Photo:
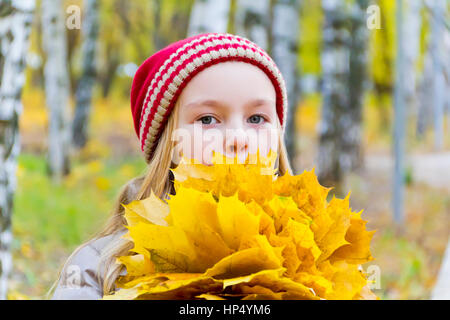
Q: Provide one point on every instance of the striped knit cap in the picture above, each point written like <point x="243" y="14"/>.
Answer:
<point x="160" y="79"/>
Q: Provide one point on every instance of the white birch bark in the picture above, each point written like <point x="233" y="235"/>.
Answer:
<point x="56" y="87"/>
<point x="425" y="110"/>
<point x="252" y="20"/>
<point x="434" y="87"/>
<point x="447" y="75"/>
<point x="437" y="56"/>
<point x="399" y="119"/>
<point x="83" y="107"/>
<point x="411" y="39"/>
<point x="343" y="62"/>
<point x="441" y="290"/>
<point x="15" y="25"/>
<point x="285" y="37"/>
<point x="209" y="16"/>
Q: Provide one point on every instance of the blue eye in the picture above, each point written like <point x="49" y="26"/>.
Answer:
<point x="256" y="119"/>
<point x="207" y="120"/>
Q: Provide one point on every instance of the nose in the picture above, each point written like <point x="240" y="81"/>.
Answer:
<point x="236" y="142"/>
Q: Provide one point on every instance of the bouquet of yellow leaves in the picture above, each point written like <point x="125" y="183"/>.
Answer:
<point x="237" y="231"/>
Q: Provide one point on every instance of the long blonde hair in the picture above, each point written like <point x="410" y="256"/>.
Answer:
<point x="157" y="178"/>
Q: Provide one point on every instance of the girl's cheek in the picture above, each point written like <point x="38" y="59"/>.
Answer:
<point x="198" y="144"/>
<point x="184" y="143"/>
<point x="267" y="140"/>
<point x="212" y="142"/>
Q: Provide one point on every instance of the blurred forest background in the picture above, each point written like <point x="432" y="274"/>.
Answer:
<point x="369" y="95"/>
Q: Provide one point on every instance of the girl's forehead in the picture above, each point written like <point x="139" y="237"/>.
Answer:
<point x="231" y="81"/>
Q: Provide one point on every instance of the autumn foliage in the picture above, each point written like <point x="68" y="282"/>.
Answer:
<point x="237" y="231"/>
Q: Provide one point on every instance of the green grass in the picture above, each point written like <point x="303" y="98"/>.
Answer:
<point x="67" y="214"/>
<point x="50" y="220"/>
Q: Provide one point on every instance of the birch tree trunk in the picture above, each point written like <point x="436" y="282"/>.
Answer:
<point x="83" y="107"/>
<point x="441" y="290"/>
<point x="343" y="61"/>
<point x="252" y="20"/>
<point x="15" y="25"/>
<point x="399" y="119"/>
<point x="425" y="110"/>
<point x="285" y="37"/>
<point x="447" y="75"/>
<point x="352" y="148"/>
<point x="209" y="16"/>
<point x="56" y="88"/>
<point x="411" y="46"/>
<point x="437" y="55"/>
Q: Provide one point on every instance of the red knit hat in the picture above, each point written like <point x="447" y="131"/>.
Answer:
<point x="160" y="79"/>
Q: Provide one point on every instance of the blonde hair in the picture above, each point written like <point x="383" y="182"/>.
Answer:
<point x="158" y="178"/>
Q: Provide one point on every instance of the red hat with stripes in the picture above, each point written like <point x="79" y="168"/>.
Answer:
<point x="160" y="79"/>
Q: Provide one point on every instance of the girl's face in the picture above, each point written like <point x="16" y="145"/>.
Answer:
<point x="229" y="108"/>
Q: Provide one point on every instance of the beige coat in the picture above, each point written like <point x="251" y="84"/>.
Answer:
<point x="79" y="277"/>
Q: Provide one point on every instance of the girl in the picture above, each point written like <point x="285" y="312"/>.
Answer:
<point x="220" y="83"/>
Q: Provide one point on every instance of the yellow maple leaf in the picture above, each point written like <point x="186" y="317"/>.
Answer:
<point x="235" y="221"/>
<point x="149" y="210"/>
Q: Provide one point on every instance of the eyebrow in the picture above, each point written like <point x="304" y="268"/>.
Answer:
<point x="215" y="103"/>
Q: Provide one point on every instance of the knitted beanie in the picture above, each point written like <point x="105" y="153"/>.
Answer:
<point x="160" y="79"/>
